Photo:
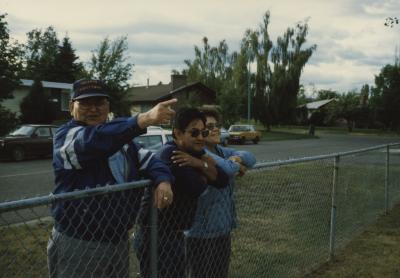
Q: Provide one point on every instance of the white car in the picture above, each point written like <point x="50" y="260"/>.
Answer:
<point x="154" y="139"/>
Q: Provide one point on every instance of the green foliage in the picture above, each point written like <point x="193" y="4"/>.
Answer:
<point x="47" y="60"/>
<point x="67" y="68"/>
<point x="391" y="21"/>
<point x="10" y="61"/>
<point x="326" y="94"/>
<point x="36" y="107"/>
<point x="8" y="120"/>
<point x="288" y="58"/>
<point x="41" y="51"/>
<point x="216" y="68"/>
<point x="273" y="92"/>
<point x="385" y="99"/>
<point x="110" y="64"/>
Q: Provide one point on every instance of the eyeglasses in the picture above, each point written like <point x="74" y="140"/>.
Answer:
<point x="86" y="104"/>
<point x="211" y="126"/>
<point x="196" y="132"/>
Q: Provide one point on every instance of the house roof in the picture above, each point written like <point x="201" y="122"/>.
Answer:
<point x="160" y="92"/>
<point x="317" y="104"/>
<point x="149" y="93"/>
<point x="48" y="84"/>
<point x="190" y="86"/>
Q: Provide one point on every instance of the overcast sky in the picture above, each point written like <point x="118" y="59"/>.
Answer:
<point x="352" y="42"/>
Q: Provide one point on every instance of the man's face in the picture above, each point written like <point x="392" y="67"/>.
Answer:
<point x="191" y="139"/>
<point x="213" y="126"/>
<point x="91" y="110"/>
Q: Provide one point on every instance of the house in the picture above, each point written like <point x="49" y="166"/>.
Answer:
<point x="306" y="111"/>
<point x="195" y="94"/>
<point x="58" y="93"/>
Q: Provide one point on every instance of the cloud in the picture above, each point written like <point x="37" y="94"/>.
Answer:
<point x="352" y="43"/>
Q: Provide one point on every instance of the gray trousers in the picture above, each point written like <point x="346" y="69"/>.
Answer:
<point x="71" y="257"/>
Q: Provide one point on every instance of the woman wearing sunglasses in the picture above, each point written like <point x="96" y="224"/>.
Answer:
<point x="209" y="238"/>
<point x="194" y="173"/>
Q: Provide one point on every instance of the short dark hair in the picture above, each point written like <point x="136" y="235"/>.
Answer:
<point x="185" y="115"/>
<point x="211" y="112"/>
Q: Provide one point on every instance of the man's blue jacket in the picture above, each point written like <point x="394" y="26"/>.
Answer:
<point x="87" y="157"/>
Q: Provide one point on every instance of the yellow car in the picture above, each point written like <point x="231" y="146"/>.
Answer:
<point x="243" y="133"/>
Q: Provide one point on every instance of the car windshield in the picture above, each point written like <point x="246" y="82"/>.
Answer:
<point x="152" y="142"/>
<point x="239" y="128"/>
<point x="24" y="130"/>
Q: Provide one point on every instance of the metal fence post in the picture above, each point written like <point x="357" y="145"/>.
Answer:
<point x="387" y="180"/>
<point x="153" y="237"/>
<point x="332" y="234"/>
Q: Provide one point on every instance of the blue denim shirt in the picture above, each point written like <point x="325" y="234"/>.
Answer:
<point x="216" y="215"/>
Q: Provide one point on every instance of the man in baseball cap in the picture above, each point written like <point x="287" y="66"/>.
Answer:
<point x="90" y="235"/>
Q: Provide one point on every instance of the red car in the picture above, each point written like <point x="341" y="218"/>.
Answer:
<point x="28" y="141"/>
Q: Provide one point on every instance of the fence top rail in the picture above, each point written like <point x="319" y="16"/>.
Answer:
<point x="78" y="194"/>
<point x="320" y="157"/>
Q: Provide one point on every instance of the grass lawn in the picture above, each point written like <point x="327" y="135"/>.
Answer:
<point x="375" y="253"/>
<point x="284" y="219"/>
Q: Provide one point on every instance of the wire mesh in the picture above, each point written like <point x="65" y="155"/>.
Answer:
<point x="283" y="220"/>
<point x="394" y="176"/>
<point x="284" y="227"/>
<point x="89" y="239"/>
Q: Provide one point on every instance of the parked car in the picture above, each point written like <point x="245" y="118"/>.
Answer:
<point x="224" y="137"/>
<point x="154" y="139"/>
<point x="28" y="141"/>
<point x="243" y="133"/>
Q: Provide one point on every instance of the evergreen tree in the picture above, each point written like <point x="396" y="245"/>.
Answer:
<point x="67" y="68"/>
<point x="36" y="107"/>
<point x="386" y="96"/>
<point x="10" y="61"/>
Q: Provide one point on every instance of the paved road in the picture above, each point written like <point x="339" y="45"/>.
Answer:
<point x="35" y="177"/>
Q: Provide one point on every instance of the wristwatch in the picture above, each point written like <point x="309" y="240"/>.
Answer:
<point x="205" y="164"/>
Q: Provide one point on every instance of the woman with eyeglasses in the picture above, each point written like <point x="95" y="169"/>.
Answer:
<point x="209" y="238"/>
<point x="194" y="173"/>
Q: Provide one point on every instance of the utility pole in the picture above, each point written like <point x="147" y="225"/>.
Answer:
<point x="248" y="88"/>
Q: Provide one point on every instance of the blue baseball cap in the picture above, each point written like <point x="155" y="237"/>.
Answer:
<point x="85" y="88"/>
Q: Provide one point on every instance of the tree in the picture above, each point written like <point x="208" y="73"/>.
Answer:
<point x="288" y="58"/>
<point x="10" y="61"/>
<point x="217" y="69"/>
<point x="41" y="51"/>
<point x="11" y="66"/>
<point x="348" y="107"/>
<point x="257" y="47"/>
<point x="326" y="94"/>
<point x="8" y="120"/>
<point x="67" y="68"/>
<point x="36" y="107"/>
<point x="110" y="64"/>
<point x="391" y="21"/>
<point x="302" y="98"/>
<point x="386" y="96"/>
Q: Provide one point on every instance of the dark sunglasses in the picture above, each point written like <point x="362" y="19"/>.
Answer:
<point x="211" y="126"/>
<point x="196" y="132"/>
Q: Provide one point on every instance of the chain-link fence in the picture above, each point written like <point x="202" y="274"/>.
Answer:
<point x="292" y="216"/>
